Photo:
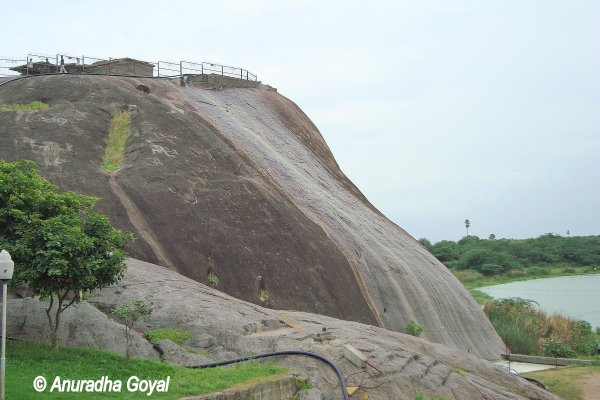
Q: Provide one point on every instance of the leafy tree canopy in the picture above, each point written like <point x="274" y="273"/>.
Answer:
<point x="60" y="245"/>
<point x="58" y="242"/>
<point x="495" y="256"/>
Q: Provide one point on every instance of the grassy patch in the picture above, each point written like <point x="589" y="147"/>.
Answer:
<point x="479" y="296"/>
<point x="27" y="360"/>
<point x="118" y="131"/>
<point x="34" y="105"/>
<point x="565" y="382"/>
<point x="528" y="330"/>
<point x="177" y="336"/>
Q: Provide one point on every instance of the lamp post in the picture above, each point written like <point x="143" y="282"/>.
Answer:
<point x="7" y="267"/>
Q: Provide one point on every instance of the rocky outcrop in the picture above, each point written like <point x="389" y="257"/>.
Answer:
<point x="81" y="325"/>
<point x="238" y="183"/>
<point x="225" y="327"/>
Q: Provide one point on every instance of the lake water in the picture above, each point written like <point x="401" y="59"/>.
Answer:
<point x="575" y="296"/>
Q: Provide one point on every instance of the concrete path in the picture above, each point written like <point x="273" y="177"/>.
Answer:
<point x="521" y="367"/>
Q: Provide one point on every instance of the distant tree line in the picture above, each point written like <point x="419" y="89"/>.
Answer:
<point x="497" y="256"/>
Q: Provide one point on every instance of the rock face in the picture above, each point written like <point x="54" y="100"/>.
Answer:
<point x="227" y="328"/>
<point x="81" y="325"/>
<point x="240" y="183"/>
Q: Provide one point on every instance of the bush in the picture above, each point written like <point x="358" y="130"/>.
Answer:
<point x="554" y="348"/>
<point x="212" y="279"/>
<point x="538" y="271"/>
<point x="264" y="296"/>
<point x="413" y="329"/>
<point x="486" y="261"/>
<point x="467" y="275"/>
<point x="491" y="269"/>
<point x="516" y="321"/>
<point x="130" y="314"/>
<point x="583" y="327"/>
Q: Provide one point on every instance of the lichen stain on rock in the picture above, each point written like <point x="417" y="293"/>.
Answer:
<point x="50" y="151"/>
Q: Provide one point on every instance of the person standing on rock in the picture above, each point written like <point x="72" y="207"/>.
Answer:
<point x="62" y="66"/>
<point x="29" y="66"/>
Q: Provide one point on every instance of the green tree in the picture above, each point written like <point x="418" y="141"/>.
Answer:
<point x="130" y="314"/>
<point x="468" y="225"/>
<point x="486" y="261"/>
<point x="445" y="251"/>
<point x="59" y="244"/>
<point x="426" y="243"/>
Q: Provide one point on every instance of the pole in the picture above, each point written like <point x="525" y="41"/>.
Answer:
<point x="3" y="359"/>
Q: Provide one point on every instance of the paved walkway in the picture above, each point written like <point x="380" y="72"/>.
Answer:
<point x="521" y="367"/>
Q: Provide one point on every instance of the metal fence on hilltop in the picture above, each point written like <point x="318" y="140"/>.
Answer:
<point x="38" y="64"/>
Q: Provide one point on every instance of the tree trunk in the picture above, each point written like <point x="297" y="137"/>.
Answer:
<point x="55" y="324"/>
<point x="127" y="334"/>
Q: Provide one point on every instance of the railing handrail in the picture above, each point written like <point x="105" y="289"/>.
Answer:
<point x="225" y="70"/>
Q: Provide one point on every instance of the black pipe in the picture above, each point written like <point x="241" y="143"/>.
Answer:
<point x="282" y="353"/>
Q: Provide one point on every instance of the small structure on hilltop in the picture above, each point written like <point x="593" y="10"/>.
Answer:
<point x="117" y="66"/>
<point x="121" y="66"/>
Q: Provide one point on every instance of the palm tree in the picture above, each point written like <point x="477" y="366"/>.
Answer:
<point x="467" y="224"/>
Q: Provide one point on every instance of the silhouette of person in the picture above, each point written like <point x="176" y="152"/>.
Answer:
<point x="62" y="65"/>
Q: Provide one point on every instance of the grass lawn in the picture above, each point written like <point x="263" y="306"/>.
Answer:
<point x="566" y="382"/>
<point x="27" y="360"/>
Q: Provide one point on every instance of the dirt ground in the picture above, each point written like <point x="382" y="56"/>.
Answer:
<point x="591" y="387"/>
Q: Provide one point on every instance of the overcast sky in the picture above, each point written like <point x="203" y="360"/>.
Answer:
<point x="437" y="110"/>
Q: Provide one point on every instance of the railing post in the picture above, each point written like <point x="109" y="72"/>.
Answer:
<point x="222" y="74"/>
<point x="202" y="68"/>
<point x="180" y="68"/>
<point x="82" y="63"/>
<point x="158" y="69"/>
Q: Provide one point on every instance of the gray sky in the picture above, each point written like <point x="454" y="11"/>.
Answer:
<point x="437" y="110"/>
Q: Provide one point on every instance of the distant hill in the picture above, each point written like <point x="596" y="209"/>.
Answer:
<point x="239" y="185"/>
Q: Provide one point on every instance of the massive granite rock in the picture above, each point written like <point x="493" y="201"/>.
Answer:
<point x="240" y="183"/>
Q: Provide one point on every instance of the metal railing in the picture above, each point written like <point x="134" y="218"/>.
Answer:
<point x="49" y="64"/>
<point x="168" y="69"/>
<point x="7" y="63"/>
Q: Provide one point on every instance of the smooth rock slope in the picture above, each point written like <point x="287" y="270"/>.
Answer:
<point x="240" y="183"/>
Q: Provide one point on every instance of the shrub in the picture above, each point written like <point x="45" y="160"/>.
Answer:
<point x="583" y="327"/>
<point x="538" y="271"/>
<point x="413" y="329"/>
<point x="491" y="269"/>
<point x="516" y="321"/>
<point x="467" y="275"/>
<point x="486" y="261"/>
<point x="264" y="296"/>
<point x="213" y="279"/>
<point x="130" y="314"/>
<point x="515" y="273"/>
<point x="554" y="348"/>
